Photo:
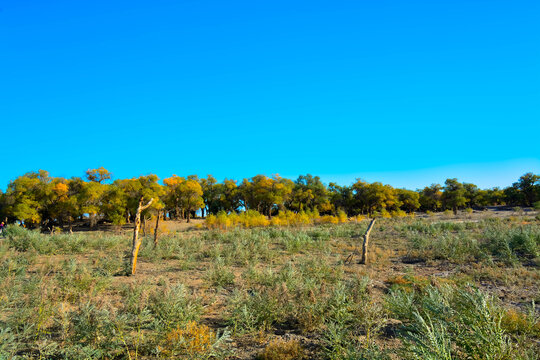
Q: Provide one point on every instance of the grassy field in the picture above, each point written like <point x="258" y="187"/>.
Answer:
<point x="434" y="288"/>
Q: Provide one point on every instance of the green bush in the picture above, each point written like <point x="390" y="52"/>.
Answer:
<point x="22" y="239"/>
<point x="173" y="306"/>
<point x="220" y="275"/>
<point x="458" y="248"/>
<point x="448" y="323"/>
<point x="510" y="244"/>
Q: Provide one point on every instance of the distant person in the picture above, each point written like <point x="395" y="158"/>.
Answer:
<point x="2" y="226"/>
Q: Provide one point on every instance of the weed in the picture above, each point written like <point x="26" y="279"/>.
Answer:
<point x="173" y="306"/>
<point x="193" y="340"/>
<point x="279" y="349"/>
<point x="219" y="275"/>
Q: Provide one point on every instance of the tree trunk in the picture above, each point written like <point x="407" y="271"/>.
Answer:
<point x="156" y="230"/>
<point x="188" y="215"/>
<point x="365" y="244"/>
<point x="136" y="240"/>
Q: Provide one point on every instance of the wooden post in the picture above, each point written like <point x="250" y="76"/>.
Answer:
<point x="136" y="240"/>
<point x="156" y="230"/>
<point x="364" y="259"/>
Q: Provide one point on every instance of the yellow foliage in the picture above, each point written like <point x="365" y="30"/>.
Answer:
<point x="150" y="227"/>
<point x="328" y="219"/>
<point x="60" y="189"/>
<point x="252" y="218"/>
<point x="247" y="219"/>
<point x="193" y="339"/>
<point x="398" y="213"/>
<point x="282" y="350"/>
<point x="342" y="217"/>
<point x="515" y="321"/>
<point x="173" y="181"/>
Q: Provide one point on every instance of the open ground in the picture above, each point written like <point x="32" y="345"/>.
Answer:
<point x="435" y="287"/>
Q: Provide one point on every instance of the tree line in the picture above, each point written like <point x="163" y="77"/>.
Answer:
<point x="39" y="200"/>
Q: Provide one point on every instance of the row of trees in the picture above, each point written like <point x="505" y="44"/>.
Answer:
<point x="38" y="199"/>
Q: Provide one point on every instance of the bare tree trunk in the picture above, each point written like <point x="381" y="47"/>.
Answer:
<point x="156" y="230"/>
<point x="188" y="215"/>
<point x="364" y="259"/>
<point x="136" y="240"/>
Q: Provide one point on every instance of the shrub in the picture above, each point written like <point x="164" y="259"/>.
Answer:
<point x="342" y="216"/>
<point x="279" y="349"/>
<point x="398" y="213"/>
<point x="328" y="219"/>
<point x="458" y="248"/>
<point x="512" y="243"/>
<point x="252" y="218"/>
<point x="514" y="321"/>
<point x="440" y="323"/>
<point x="194" y="340"/>
<point x="22" y="239"/>
<point x="219" y="275"/>
<point x="251" y="311"/>
<point x="173" y="307"/>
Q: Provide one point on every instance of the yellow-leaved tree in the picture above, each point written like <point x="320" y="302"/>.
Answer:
<point x="172" y="195"/>
<point x="190" y="196"/>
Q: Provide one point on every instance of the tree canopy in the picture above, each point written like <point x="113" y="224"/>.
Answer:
<point x="39" y="200"/>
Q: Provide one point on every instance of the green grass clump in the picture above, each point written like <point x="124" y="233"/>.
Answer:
<point x="512" y="243"/>
<point x="453" y="323"/>
<point x="458" y="248"/>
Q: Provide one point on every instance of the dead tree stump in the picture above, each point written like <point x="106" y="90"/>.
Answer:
<point x="136" y="241"/>
<point x="365" y="244"/>
<point x="156" y="230"/>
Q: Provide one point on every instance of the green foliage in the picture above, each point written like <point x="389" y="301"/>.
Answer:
<point x="40" y="200"/>
<point x="219" y="275"/>
<point x="451" y="241"/>
<point x="454" y="195"/>
<point x="173" y="306"/>
<point x="512" y="243"/>
<point x="448" y="323"/>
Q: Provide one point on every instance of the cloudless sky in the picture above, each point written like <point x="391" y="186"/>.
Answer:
<point x="403" y="92"/>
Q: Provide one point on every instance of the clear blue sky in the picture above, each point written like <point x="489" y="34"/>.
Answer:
<point x="404" y="92"/>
